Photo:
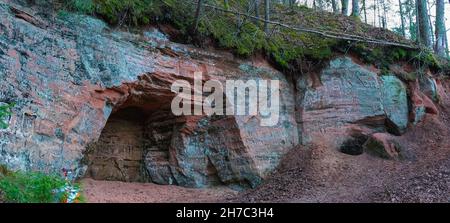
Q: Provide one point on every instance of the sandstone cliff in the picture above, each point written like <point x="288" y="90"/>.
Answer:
<point x="96" y="101"/>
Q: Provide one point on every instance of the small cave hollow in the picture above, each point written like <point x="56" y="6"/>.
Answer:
<point x="354" y="145"/>
<point x="132" y="142"/>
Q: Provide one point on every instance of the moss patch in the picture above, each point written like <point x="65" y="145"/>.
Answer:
<point x="246" y="36"/>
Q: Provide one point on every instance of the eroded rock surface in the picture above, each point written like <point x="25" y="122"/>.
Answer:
<point x="72" y="77"/>
<point x="68" y="75"/>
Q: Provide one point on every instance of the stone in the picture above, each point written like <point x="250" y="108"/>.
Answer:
<point x="421" y="104"/>
<point x="383" y="145"/>
<point x="395" y="103"/>
<point x="351" y="95"/>
<point x="72" y="75"/>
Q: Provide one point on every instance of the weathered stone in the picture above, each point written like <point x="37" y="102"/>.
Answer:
<point x="420" y="103"/>
<point x="382" y="145"/>
<point x="349" y="93"/>
<point x="395" y="104"/>
<point x="67" y="76"/>
<point x="429" y="87"/>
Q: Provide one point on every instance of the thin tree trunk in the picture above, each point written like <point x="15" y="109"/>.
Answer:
<point x="334" y="6"/>
<point x="355" y="8"/>
<point x="385" y="25"/>
<point x="431" y="23"/>
<point x="446" y="45"/>
<point x="402" y="17"/>
<point x="197" y="14"/>
<point x="365" y="10"/>
<point x="410" y="17"/>
<point x="266" y="15"/>
<point x="440" y="45"/>
<point x="375" y="7"/>
<point x="257" y="8"/>
<point x="344" y="7"/>
<point x="423" y="26"/>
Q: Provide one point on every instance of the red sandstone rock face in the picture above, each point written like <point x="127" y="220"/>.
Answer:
<point x="69" y="78"/>
<point x="73" y="78"/>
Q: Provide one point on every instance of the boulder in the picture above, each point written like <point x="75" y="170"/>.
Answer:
<point x="395" y="103"/>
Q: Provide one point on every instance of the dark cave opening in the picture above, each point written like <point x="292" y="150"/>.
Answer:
<point x="354" y="145"/>
<point x="133" y="147"/>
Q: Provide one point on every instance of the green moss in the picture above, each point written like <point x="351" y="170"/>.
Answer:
<point x="245" y="36"/>
<point x="122" y="11"/>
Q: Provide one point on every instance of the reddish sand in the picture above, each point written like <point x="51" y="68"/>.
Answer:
<point x="121" y="192"/>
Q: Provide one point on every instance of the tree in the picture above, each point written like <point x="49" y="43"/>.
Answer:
<point x="402" y="18"/>
<point x="197" y="14"/>
<point x="423" y="25"/>
<point x="365" y="10"/>
<point x="257" y="8"/>
<point x="440" y="45"/>
<point x="344" y="9"/>
<point x="266" y="15"/>
<point x="334" y="6"/>
<point x="355" y="8"/>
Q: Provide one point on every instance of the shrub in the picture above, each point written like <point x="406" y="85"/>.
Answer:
<point x="132" y="12"/>
<point x="31" y="187"/>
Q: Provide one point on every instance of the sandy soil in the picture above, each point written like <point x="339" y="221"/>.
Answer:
<point x="121" y="192"/>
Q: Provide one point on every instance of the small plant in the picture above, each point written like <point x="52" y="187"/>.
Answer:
<point x="5" y="110"/>
<point x="33" y="187"/>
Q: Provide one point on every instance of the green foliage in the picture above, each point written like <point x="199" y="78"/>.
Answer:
<point x="30" y="187"/>
<point x="246" y="36"/>
<point x="5" y="110"/>
<point x="133" y="12"/>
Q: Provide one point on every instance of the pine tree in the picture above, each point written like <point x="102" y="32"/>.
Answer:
<point x="344" y="10"/>
<point x="440" y="45"/>
<point x="423" y="25"/>
<point x="355" y="8"/>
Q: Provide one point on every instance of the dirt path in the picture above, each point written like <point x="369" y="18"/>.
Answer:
<point x="121" y="192"/>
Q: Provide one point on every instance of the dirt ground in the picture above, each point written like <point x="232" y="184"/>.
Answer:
<point x="121" y="192"/>
<point x="320" y="174"/>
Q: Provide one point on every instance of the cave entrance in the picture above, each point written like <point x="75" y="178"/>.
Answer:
<point x="131" y="140"/>
<point x="354" y="145"/>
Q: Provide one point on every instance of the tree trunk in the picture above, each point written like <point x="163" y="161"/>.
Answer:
<point x="344" y="10"/>
<point x="446" y="46"/>
<point x="402" y="17"/>
<point x="197" y="14"/>
<point x="365" y="10"/>
<point x="384" y="19"/>
<point x="355" y="8"/>
<point x="257" y="8"/>
<point x="440" y="45"/>
<point x="334" y="6"/>
<point x="423" y="25"/>
<point x="266" y="15"/>
<point x="431" y="23"/>
<point x="411" y="6"/>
